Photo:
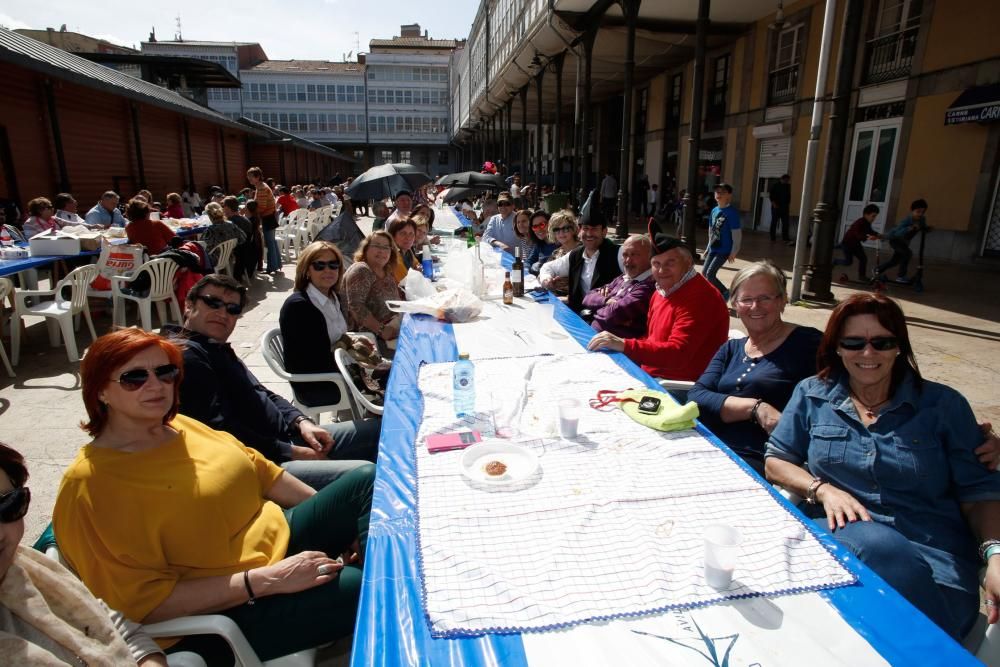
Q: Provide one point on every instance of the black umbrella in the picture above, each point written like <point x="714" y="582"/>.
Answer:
<point x="386" y="180"/>
<point x="470" y="178"/>
<point x="460" y="193"/>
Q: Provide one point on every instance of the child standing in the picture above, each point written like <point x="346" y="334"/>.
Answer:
<point x="900" y="237"/>
<point x="724" y="236"/>
<point x="856" y="234"/>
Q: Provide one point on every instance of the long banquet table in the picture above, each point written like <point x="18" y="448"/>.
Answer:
<point x="866" y="623"/>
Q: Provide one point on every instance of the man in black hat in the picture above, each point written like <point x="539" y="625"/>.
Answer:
<point x="591" y="265"/>
<point x="688" y="320"/>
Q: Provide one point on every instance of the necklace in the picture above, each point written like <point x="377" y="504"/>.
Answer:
<point x="869" y="409"/>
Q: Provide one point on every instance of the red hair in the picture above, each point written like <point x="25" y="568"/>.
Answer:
<point x="109" y="353"/>
<point x="829" y="364"/>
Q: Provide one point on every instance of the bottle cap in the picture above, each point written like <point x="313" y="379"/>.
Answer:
<point x="463" y="355"/>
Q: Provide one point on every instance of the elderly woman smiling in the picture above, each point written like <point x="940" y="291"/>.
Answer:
<point x="745" y="388"/>
<point x="892" y="470"/>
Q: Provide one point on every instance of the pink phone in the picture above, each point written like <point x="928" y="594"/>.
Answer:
<point x="444" y="442"/>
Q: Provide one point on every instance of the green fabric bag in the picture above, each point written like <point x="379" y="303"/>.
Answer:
<point x="668" y="417"/>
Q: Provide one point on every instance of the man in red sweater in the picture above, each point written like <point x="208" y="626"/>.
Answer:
<point x="688" y="320"/>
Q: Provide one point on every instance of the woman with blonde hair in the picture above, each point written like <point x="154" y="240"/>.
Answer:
<point x="369" y="283"/>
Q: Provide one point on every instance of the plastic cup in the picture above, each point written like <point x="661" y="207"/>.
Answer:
<point x="503" y="426"/>
<point x="722" y="550"/>
<point x="544" y="315"/>
<point x="569" y="417"/>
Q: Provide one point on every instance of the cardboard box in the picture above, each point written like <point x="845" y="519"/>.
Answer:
<point x="53" y="243"/>
<point x="89" y="239"/>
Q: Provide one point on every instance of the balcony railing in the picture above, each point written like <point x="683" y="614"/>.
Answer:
<point x="891" y="56"/>
<point x="782" y="85"/>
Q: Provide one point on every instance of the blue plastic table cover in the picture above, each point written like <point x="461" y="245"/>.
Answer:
<point x="392" y="628"/>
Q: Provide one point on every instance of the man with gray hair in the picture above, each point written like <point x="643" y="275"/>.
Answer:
<point x="688" y="320"/>
<point x="621" y="306"/>
<point x="105" y="212"/>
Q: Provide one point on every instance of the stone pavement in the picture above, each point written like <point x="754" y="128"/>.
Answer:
<point x="955" y="327"/>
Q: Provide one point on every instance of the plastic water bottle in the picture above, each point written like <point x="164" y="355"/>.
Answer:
<point x="427" y="263"/>
<point x="463" y="382"/>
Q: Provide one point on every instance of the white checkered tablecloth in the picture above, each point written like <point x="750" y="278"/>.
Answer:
<point x="613" y="525"/>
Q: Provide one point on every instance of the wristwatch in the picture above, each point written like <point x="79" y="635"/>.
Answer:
<point x="301" y="418"/>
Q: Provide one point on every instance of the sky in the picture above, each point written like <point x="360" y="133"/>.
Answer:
<point x="301" y="29"/>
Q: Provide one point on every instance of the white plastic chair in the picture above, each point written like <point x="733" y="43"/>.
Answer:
<point x="6" y="288"/>
<point x="210" y="624"/>
<point x="59" y="312"/>
<point x="161" y="288"/>
<point x="223" y="256"/>
<point x="273" y="348"/>
<point x="360" y="402"/>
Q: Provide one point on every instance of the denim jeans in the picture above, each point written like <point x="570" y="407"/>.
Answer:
<point x="712" y="265"/>
<point x="273" y="254"/>
<point x="893" y="557"/>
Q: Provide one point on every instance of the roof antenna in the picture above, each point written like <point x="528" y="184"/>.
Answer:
<point x="178" y="37"/>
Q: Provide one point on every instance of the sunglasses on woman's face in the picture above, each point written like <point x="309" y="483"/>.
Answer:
<point x="880" y="343"/>
<point x="540" y="225"/>
<point x="14" y="504"/>
<point x="556" y="230"/>
<point x="215" y="303"/>
<point x="318" y="265"/>
<point x="134" y="380"/>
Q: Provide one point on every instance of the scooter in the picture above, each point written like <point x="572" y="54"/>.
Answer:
<point x="917" y="283"/>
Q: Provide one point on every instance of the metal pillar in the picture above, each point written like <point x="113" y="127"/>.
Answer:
<point x="190" y="160"/>
<point x="630" y="9"/>
<point x="538" y="133"/>
<point x="827" y="212"/>
<point x="508" y="149"/>
<point x="557" y="64"/>
<point x="225" y="162"/>
<point x="525" y="160"/>
<point x="815" y="129"/>
<point x="586" y="160"/>
<point x="57" y="142"/>
<point x="694" y="139"/>
<point x="137" y="138"/>
<point x="575" y="155"/>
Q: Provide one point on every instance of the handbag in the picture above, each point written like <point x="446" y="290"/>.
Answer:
<point x="654" y="409"/>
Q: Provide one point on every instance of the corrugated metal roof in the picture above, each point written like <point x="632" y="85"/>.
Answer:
<point x="32" y="54"/>
<point x="322" y="66"/>
<point x="414" y="42"/>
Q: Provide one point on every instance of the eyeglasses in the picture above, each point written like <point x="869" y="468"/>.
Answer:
<point x="379" y="246"/>
<point x="556" y="230"/>
<point x="505" y="203"/>
<point x="749" y="301"/>
<point x="134" y="380"/>
<point x="14" y="504"/>
<point x="215" y="303"/>
<point x="880" y="343"/>
<point x="319" y="265"/>
<point x="540" y="225"/>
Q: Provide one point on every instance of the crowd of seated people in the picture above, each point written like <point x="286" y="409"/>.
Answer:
<point x="182" y="410"/>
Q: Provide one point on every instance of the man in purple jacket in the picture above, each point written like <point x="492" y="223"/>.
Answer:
<point x="620" y="307"/>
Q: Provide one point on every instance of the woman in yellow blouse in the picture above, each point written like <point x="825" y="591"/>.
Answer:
<point x="162" y="516"/>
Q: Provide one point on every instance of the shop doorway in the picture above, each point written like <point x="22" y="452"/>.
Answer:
<point x="771" y="166"/>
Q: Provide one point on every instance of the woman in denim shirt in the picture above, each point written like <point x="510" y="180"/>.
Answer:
<point x="892" y="465"/>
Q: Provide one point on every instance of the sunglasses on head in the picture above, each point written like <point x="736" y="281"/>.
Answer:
<point x="318" y="265"/>
<point x="14" y="504"/>
<point x="134" y="380"/>
<point x="215" y="303"/>
<point x="880" y="343"/>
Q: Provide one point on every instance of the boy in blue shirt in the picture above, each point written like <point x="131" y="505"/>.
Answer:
<point x="899" y="239"/>
<point x="724" y="237"/>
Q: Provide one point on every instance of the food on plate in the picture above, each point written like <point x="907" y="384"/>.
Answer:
<point x="495" y="468"/>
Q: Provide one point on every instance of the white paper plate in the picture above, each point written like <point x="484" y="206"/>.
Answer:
<point x="522" y="464"/>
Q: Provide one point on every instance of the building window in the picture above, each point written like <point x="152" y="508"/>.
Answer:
<point x="783" y="79"/>
<point x="715" y="113"/>
<point x="889" y="54"/>
<point x="386" y="157"/>
<point x="404" y="156"/>
<point x="674" y="105"/>
<point x="442" y="157"/>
